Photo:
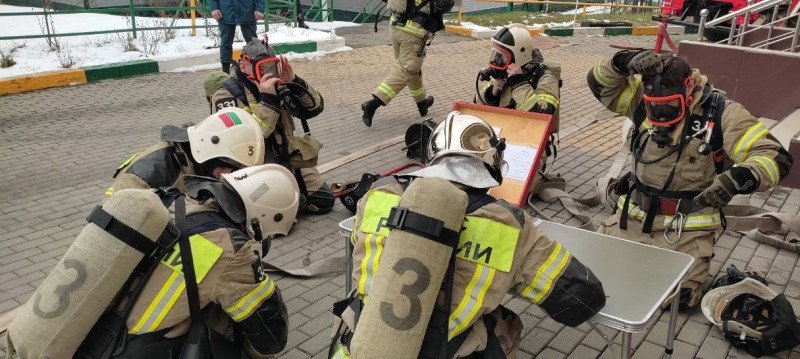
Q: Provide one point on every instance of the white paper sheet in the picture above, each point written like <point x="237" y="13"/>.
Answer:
<point x="520" y="160"/>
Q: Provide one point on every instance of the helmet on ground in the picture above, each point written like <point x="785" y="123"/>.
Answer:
<point x="467" y="136"/>
<point x="752" y="317"/>
<point x="231" y="135"/>
<point x="511" y="44"/>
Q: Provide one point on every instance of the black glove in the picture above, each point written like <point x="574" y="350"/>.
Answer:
<point x="737" y="180"/>
<point x="644" y="62"/>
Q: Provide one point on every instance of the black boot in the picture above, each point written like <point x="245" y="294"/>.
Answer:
<point x="369" y="109"/>
<point x="424" y="105"/>
<point x="226" y="67"/>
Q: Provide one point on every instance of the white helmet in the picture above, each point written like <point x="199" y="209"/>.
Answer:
<point x="511" y="44"/>
<point x="230" y="134"/>
<point x="270" y="194"/>
<point x="467" y="135"/>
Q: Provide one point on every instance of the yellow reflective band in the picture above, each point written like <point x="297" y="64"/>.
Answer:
<point x="532" y="100"/>
<point x="365" y="267"/>
<point x="109" y="192"/>
<point x="160" y="305"/>
<point x="264" y="125"/>
<point x="770" y="166"/>
<point x="472" y="301"/>
<point x="386" y="90"/>
<point x="247" y="304"/>
<point x="626" y="97"/>
<point x="128" y="161"/>
<point x="376" y="210"/>
<point x="747" y="141"/>
<point x="486" y="86"/>
<point x="487" y="242"/>
<point x="410" y="27"/>
<point x="542" y="283"/>
<point x="599" y="76"/>
<point x="693" y="221"/>
<point x="339" y="353"/>
<point x="204" y="253"/>
<point x="417" y="92"/>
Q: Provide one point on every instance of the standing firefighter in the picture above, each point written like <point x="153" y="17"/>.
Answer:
<point x="223" y="142"/>
<point x="412" y="23"/>
<point x="517" y="78"/>
<point x="693" y="151"/>
<point x="266" y="86"/>
<point x="130" y="295"/>
<point x="470" y="265"/>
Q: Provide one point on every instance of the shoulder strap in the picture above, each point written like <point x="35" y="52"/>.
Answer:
<point x="236" y="89"/>
<point x="207" y="221"/>
<point x="197" y="344"/>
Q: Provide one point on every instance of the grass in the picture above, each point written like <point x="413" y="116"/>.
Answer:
<point x="532" y="18"/>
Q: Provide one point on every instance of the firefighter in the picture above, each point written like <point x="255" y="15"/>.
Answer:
<point x="464" y="150"/>
<point x="241" y="305"/>
<point x="223" y="142"/>
<point x="693" y="151"/>
<point x="518" y="79"/>
<point x="265" y="85"/>
<point x="412" y="23"/>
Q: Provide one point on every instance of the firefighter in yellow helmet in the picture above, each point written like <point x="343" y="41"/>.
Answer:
<point x="465" y="150"/>
<point x="242" y="306"/>
<point x="693" y="151"/>
<point x="223" y="142"/>
<point x="265" y="85"/>
<point x="412" y="24"/>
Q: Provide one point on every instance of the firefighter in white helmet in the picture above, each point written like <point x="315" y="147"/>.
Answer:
<point x="517" y="77"/>
<point x="465" y="150"/>
<point x="226" y="220"/>
<point x="225" y="141"/>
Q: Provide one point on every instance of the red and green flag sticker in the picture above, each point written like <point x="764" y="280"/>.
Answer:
<point x="230" y="119"/>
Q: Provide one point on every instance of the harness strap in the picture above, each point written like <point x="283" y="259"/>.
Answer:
<point x="122" y="231"/>
<point x="421" y="225"/>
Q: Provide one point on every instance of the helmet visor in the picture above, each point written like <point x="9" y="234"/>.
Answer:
<point x="500" y="58"/>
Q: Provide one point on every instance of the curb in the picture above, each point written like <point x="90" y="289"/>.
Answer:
<point x="90" y="74"/>
<point x="570" y="31"/>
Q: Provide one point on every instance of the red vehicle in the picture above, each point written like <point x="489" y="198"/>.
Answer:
<point x="680" y="11"/>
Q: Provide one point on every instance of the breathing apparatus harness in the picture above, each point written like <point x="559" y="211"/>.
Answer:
<point x="653" y="199"/>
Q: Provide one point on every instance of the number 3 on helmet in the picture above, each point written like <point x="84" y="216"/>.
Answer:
<point x="231" y="135"/>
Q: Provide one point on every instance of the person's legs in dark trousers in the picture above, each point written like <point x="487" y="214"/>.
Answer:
<point x="248" y="31"/>
<point x="226" y="33"/>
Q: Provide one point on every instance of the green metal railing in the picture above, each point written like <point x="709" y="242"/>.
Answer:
<point x="132" y="11"/>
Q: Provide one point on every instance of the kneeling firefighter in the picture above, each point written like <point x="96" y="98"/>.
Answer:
<point x="221" y="143"/>
<point x="693" y="151"/>
<point x="265" y="85"/>
<point x="124" y="289"/>
<point x="464" y="257"/>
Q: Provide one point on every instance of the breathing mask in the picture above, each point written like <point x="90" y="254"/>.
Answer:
<point x="263" y="65"/>
<point x="665" y="107"/>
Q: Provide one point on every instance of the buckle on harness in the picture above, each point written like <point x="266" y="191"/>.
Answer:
<point x="397" y="217"/>
<point x="100" y="217"/>
<point x="402" y="218"/>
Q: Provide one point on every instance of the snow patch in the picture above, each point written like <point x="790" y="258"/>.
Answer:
<point x="88" y="50"/>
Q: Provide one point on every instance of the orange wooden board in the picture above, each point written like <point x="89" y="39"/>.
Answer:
<point x="525" y="129"/>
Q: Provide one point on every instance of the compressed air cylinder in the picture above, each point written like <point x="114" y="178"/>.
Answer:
<point x="62" y="311"/>
<point x="411" y="271"/>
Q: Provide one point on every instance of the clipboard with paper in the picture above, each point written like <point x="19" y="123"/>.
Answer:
<point x="526" y="135"/>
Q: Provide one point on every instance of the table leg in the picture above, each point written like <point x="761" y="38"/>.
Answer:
<point x="348" y="266"/>
<point x="626" y="345"/>
<point x="673" y="323"/>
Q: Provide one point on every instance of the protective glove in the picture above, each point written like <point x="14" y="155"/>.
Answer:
<point x="644" y="62"/>
<point x="737" y="180"/>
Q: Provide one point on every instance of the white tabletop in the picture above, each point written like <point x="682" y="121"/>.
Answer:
<point x="637" y="278"/>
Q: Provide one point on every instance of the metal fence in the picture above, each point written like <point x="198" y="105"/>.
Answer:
<point x="196" y="10"/>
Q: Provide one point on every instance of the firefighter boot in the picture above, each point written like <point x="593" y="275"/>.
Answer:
<point x="424" y="105"/>
<point x="369" y="109"/>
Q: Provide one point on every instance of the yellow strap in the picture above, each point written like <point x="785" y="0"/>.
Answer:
<point x="693" y="220"/>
